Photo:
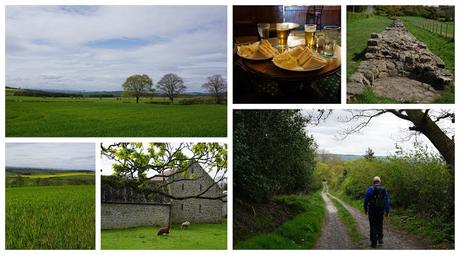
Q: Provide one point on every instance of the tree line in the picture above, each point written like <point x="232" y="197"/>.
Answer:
<point x="171" y="85"/>
<point x="273" y="154"/>
<point x="442" y="12"/>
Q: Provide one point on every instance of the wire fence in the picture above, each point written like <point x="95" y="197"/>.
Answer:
<point x="443" y="29"/>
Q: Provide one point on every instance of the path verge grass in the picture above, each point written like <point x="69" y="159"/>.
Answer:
<point x="301" y="232"/>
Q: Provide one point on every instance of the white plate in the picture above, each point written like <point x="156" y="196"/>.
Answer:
<point x="301" y="69"/>
<point x="257" y="56"/>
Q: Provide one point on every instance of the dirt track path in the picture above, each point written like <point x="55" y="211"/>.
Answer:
<point x="393" y="238"/>
<point x="334" y="234"/>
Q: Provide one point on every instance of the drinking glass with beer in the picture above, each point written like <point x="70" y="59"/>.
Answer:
<point x="310" y="30"/>
<point x="282" y="33"/>
<point x="264" y="30"/>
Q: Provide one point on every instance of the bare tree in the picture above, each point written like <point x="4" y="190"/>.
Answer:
<point x="167" y="164"/>
<point x="426" y="122"/>
<point x="216" y="86"/>
<point x="171" y="85"/>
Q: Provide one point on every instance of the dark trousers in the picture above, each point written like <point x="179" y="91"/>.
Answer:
<point x="376" y="224"/>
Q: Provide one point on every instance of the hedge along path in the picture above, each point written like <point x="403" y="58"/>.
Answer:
<point x="393" y="238"/>
<point x="334" y="235"/>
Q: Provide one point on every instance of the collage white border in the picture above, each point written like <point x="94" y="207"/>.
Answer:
<point x="228" y="140"/>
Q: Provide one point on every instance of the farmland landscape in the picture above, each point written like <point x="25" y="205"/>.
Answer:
<point x="48" y="208"/>
<point x="137" y="80"/>
<point x="49" y="116"/>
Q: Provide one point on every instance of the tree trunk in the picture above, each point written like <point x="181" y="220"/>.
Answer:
<point x="137" y="100"/>
<point x="425" y="125"/>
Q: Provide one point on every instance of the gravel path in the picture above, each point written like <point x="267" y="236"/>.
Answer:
<point x="393" y="238"/>
<point x="334" y="235"/>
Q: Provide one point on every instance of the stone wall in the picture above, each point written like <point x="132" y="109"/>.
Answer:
<point x="126" y="215"/>
<point x="196" y="210"/>
<point x="397" y="53"/>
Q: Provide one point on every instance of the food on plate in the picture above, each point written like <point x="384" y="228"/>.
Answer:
<point x="267" y="49"/>
<point x="286" y="60"/>
<point x="263" y="48"/>
<point x="299" y="59"/>
<point x="248" y="50"/>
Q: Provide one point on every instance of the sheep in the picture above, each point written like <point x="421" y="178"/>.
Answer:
<point x="185" y="225"/>
<point x="163" y="230"/>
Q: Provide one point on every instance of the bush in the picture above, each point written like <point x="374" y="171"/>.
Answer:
<point x="423" y="183"/>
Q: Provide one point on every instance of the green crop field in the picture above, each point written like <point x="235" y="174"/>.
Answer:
<point x="198" y="236"/>
<point x="109" y="117"/>
<point x="50" y="217"/>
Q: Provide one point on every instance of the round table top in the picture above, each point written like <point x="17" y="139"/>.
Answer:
<point x="267" y="69"/>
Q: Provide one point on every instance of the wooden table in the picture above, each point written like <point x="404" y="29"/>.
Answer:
<point x="268" y="70"/>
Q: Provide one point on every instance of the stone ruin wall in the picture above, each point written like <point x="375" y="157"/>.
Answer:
<point x="397" y="53"/>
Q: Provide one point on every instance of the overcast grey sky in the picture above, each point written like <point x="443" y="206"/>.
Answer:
<point x="98" y="47"/>
<point x="74" y="156"/>
<point x="380" y="135"/>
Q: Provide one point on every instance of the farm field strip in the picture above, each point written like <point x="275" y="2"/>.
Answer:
<point x="110" y="118"/>
<point x="50" y="217"/>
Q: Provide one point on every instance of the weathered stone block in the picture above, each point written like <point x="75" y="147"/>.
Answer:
<point x="375" y="35"/>
<point x="354" y="88"/>
<point x="372" y="42"/>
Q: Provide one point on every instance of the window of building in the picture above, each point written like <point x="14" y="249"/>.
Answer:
<point x="183" y="186"/>
<point x="199" y="208"/>
<point x="201" y="187"/>
<point x="182" y="207"/>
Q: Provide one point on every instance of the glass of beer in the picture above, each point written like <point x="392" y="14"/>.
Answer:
<point x="282" y="33"/>
<point x="332" y="34"/>
<point x="310" y="30"/>
<point x="264" y="30"/>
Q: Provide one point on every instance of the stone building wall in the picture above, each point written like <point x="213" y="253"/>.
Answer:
<point x="126" y="215"/>
<point x="196" y="210"/>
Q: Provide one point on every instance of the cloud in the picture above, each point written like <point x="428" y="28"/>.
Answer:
<point x="381" y="135"/>
<point x="98" y="47"/>
<point x="75" y="156"/>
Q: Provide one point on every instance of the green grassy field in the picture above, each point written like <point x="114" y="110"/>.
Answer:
<point x="50" y="217"/>
<point x="358" y="32"/>
<point x="197" y="236"/>
<point x="420" y="21"/>
<point x="93" y="117"/>
<point x="301" y="232"/>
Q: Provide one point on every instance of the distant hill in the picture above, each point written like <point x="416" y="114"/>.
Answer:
<point x="343" y="157"/>
<point x="12" y="91"/>
<point x="22" y="170"/>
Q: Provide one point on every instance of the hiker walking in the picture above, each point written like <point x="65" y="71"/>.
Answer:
<point x="376" y="205"/>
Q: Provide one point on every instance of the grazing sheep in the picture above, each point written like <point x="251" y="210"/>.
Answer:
<point x="163" y="230"/>
<point x="185" y="225"/>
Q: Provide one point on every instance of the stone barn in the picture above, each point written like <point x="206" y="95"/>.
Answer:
<point x="123" y="205"/>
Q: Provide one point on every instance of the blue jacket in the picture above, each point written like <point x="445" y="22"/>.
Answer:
<point x="370" y="192"/>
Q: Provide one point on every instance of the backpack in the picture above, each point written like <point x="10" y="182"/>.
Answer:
<point x="378" y="197"/>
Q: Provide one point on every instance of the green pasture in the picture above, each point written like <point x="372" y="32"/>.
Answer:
<point x="51" y="217"/>
<point x="111" y="117"/>
<point x="196" y="237"/>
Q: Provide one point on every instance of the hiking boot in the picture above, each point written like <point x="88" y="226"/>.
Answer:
<point x="380" y="242"/>
<point x="374" y="245"/>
